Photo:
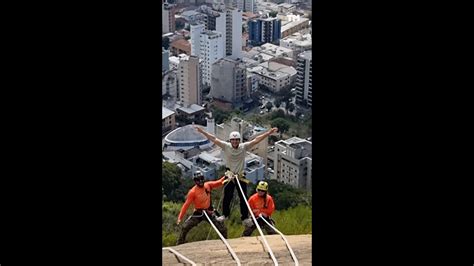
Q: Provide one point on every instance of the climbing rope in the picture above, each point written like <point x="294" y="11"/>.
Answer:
<point x="275" y="262"/>
<point x="284" y="238"/>
<point x="223" y="239"/>
<point x="181" y="256"/>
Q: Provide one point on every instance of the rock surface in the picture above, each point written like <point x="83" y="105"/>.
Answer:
<point x="249" y="250"/>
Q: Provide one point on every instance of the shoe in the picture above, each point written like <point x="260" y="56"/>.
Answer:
<point x="221" y="218"/>
<point x="247" y="222"/>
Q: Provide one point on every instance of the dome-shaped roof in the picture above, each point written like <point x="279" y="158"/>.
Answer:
<point x="186" y="134"/>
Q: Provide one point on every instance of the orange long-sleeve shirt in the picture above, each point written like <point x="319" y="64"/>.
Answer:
<point x="200" y="197"/>
<point x="257" y="205"/>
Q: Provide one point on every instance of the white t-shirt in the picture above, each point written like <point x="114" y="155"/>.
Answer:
<point x="235" y="158"/>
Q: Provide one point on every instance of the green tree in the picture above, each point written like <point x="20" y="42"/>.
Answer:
<point x="273" y="14"/>
<point x="269" y="106"/>
<point x="277" y="103"/>
<point x="290" y="107"/>
<point x="174" y="186"/>
<point x="276" y="114"/>
<point x="180" y="24"/>
<point x="281" y="124"/>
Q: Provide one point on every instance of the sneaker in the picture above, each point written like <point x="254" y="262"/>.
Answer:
<point x="247" y="222"/>
<point x="221" y="218"/>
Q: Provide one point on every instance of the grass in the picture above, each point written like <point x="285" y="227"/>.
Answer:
<point x="293" y="221"/>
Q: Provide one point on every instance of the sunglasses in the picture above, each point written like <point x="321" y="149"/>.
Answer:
<point x="199" y="178"/>
<point x="259" y="190"/>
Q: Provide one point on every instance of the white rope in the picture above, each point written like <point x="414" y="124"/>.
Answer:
<point x="284" y="238"/>
<point x="275" y="262"/>
<point x="223" y="239"/>
<point x="181" y="256"/>
<point x="219" y="204"/>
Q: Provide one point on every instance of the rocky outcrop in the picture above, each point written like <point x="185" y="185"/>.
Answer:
<point x="250" y="251"/>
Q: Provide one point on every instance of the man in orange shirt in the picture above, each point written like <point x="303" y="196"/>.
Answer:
<point x="260" y="203"/>
<point x="200" y="196"/>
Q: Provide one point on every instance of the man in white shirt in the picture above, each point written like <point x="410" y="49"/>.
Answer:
<point x="234" y="158"/>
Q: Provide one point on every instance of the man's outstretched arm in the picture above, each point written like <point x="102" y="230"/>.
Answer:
<point x="259" y="138"/>
<point x="210" y="137"/>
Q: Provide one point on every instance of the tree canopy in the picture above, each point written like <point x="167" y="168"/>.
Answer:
<point x="281" y="124"/>
<point x="174" y="186"/>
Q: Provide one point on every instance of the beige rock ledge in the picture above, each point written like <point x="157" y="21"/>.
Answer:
<point x="250" y="251"/>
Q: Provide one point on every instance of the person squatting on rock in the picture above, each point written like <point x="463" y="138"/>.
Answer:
<point x="260" y="203"/>
<point x="234" y="158"/>
<point x="200" y="196"/>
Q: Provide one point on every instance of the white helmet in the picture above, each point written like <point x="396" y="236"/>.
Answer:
<point x="234" y="135"/>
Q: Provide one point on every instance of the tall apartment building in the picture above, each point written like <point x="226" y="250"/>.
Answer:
<point x="264" y="30"/>
<point x="227" y="21"/>
<point x="189" y="81"/>
<point x="165" y="60"/>
<point x="304" y="79"/>
<point x="168" y="20"/>
<point x="211" y="49"/>
<point x="228" y="82"/>
<point x="169" y="84"/>
<point x="247" y="5"/>
<point x="291" y="161"/>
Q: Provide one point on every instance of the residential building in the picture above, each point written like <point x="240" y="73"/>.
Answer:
<point x="169" y="84"/>
<point x="290" y="161"/>
<point x="165" y="60"/>
<point x="274" y="76"/>
<point x="304" y="79"/>
<point x="168" y="122"/>
<point x="264" y="30"/>
<point x="228" y="82"/>
<point x="168" y="20"/>
<point x="272" y="51"/>
<point x="247" y="5"/>
<point x="189" y="81"/>
<point x="228" y="22"/>
<point x="286" y="8"/>
<point x="209" y="47"/>
<point x="193" y="113"/>
<point x="297" y="42"/>
<point x="294" y="26"/>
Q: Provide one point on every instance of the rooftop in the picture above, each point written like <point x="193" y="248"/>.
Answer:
<point x="293" y="24"/>
<point x="191" y="109"/>
<point x="166" y="112"/>
<point x="181" y="44"/>
<point x="306" y="55"/>
<point x="185" y="134"/>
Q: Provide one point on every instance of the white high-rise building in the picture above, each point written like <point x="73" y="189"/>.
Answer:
<point x="229" y="23"/>
<point x="195" y="32"/>
<point x="304" y="78"/>
<point x="189" y="81"/>
<point x="209" y="47"/>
